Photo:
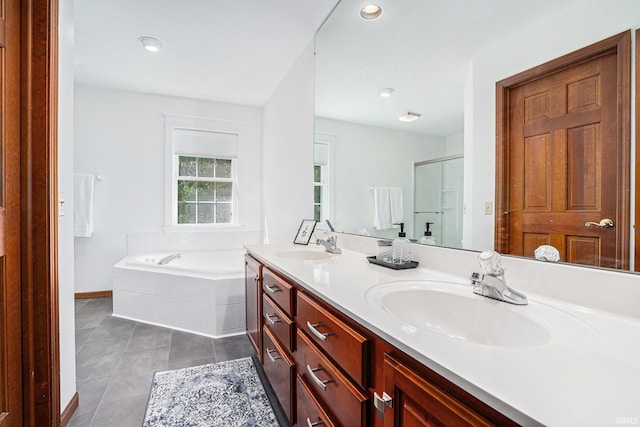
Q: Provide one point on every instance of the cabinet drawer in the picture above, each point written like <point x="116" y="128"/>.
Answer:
<point x="281" y="371"/>
<point x="343" y="399"/>
<point x="281" y="325"/>
<point x="309" y="411"/>
<point x="278" y="290"/>
<point x="348" y="348"/>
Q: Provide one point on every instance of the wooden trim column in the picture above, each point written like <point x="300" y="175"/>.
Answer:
<point x="636" y="226"/>
<point x="41" y="365"/>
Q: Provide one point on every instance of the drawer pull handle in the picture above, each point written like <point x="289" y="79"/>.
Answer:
<point x="321" y="336"/>
<point x="270" y="317"/>
<point x="271" y="289"/>
<point x="273" y="359"/>
<point x="310" y="424"/>
<point x="322" y="384"/>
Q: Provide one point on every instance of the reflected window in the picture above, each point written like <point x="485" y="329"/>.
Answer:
<point x="321" y="181"/>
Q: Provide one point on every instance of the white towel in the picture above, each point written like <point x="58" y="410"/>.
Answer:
<point x="381" y="208"/>
<point x="397" y="205"/>
<point x="83" y="204"/>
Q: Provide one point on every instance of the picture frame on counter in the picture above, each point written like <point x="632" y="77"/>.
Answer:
<point x="305" y="231"/>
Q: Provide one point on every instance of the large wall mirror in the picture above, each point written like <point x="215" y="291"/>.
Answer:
<point x="406" y="106"/>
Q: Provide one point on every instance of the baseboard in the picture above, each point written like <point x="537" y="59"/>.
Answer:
<point x="94" y="294"/>
<point x="68" y="412"/>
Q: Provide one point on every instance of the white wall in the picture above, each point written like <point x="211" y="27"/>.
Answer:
<point x="454" y="144"/>
<point x="367" y="156"/>
<point x="65" y="223"/>
<point x="121" y="136"/>
<point x="287" y="141"/>
<point x="596" y="20"/>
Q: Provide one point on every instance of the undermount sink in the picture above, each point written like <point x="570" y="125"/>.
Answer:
<point x="304" y="254"/>
<point x="453" y="310"/>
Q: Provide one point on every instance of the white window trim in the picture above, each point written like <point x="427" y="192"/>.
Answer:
<point x="174" y="122"/>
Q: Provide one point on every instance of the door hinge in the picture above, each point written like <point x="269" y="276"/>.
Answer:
<point x="381" y="402"/>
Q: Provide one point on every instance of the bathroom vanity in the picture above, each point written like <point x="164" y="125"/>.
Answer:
<point x="347" y="343"/>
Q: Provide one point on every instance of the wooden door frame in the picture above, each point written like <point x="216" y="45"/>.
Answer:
<point x="38" y="233"/>
<point x="621" y="45"/>
<point x="636" y="228"/>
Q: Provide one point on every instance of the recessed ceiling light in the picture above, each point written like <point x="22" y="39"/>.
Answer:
<point x="409" y="117"/>
<point x="371" y="11"/>
<point x="386" y="92"/>
<point x="150" y="44"/>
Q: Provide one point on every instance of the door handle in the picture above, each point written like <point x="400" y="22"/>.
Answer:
<point x="604" y="223"/>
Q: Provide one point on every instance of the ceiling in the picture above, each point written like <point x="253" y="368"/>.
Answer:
<point x="238" y="51"/>
<point x="235" y="51"/>
<point x="421" y="48"/>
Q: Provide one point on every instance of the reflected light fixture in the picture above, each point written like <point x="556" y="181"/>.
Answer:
<point x="386" y="92"/>
<point x="371" y="11"/>
<point x="409" y="117"/>
<point x="150" y="44"/>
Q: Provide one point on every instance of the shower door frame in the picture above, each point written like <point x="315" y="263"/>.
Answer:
<point x="417" y="233"/>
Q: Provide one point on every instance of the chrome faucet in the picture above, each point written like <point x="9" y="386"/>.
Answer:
<point x="330" y="241"/>
<point x="491" y="283"/>
<point x="166" y="260"/>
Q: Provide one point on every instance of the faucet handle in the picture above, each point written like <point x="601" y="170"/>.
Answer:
<point x="491" y="263"/>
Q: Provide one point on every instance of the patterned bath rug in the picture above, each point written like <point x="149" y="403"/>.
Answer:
<point x="225" y="394"/>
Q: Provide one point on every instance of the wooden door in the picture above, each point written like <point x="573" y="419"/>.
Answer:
<point x="567" y="162"/>
<point x="10" y="284"/>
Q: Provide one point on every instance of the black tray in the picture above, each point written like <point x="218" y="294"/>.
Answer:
<point x="410" y="264"/>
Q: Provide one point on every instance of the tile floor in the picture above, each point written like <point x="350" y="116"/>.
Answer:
<point x="116" y="359"/>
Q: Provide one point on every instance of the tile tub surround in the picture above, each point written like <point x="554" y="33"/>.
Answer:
<point x="566" y="380"/>
<point x="212" y="306"/>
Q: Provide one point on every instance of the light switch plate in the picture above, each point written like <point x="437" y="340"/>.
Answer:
<point x="61" y="203"/>
<point x="488" y="208"/>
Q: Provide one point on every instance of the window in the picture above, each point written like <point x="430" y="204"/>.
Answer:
<point x="201" y="163"/>
<point x="321" y="181"/>
<point x="318" y="186"/>
<point x="205" y="190"/>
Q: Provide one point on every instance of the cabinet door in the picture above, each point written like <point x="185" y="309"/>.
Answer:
<point x="416" y="402"/>
<point x="253" y="302"/>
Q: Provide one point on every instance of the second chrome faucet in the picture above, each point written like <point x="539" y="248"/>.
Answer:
<point x="491" y="282"/>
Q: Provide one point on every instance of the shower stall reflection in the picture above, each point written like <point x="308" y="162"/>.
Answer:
<point x="438" y="199"/>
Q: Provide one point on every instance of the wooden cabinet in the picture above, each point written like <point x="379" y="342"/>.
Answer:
<point x="253" y="302"/>
<point x="278" y="338"/>
<point x="328" y="370"/>
<point x="416" y="402"/>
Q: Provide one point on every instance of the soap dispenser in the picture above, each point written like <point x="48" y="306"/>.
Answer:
<point x="427" y="239"/>
<point x="401" y="247"/>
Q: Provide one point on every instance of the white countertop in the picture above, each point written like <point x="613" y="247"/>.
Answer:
<point x="587" y="373"/>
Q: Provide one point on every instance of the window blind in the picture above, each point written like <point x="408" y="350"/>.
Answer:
<point x="205" y="143"/>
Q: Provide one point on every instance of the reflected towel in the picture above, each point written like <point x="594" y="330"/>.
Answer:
<point x="397" y="205"/>
<point x="83" y="205"/>
<point x="381" y="208"/>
